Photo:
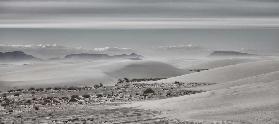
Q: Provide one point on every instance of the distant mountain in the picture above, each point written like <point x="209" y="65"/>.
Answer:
<point x="15" y="56"/>
<point x="48" y="51"/>
<point x="132" y="56"/>
<point x="230" y="53"/>
<point x="87" y="56"/>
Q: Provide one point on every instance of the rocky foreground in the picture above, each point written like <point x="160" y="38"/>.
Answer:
<point x="96" y="104"/>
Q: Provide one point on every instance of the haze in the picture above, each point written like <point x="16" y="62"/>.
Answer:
<point x="139" y="61"/>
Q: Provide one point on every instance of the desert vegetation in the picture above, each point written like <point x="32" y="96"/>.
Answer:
<point x="16" y="103"/>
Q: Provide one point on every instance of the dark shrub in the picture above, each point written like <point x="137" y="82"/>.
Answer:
<point x="148" y="91"/>
<point x="39" y="89"/>
<point x="6" y="102"/>
<point x="168" y="93"/>
<point x="75" y="96"/>
<point x="10" y="91"/>
<point x="36" y="108"/>
<point x="28" y="102"/>
<point x="48" y="88"/>
<point x="16" y="94"/>
<point x="96" y="86"/>
<point x="65" y="98"/>
<point x="126" y="79"/>
<point x="178" y="83"/>
<point x="19" y="90"/>
<point x="57" y="88"/>
<point x="101" y="85"/>
<point x="99" y="95"/>
<point x="31" y="89"/>
<point x="73" y="100"/>
<point x="72" y="88"/>
<point x="86" y="96"/>
<point x="120" y="81"/>
<point x="46" y="101"/>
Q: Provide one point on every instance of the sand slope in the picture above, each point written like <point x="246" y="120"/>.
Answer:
<point x="53" y="73"/>
<point x="258" y="103"/>
<point x="229" y="73"/>
<point x="85" y="72"/>
<point x="215" y="63"/>
<point x="252" y="96"/>
<point x="263" y="78"/>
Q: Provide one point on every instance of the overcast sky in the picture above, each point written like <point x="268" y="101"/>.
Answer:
<point x="215" y="24"/>
<point x="138" y="13"/>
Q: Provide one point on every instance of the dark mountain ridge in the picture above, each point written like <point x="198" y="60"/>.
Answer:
<point x="15" y="56"/>
<point x="133" y="56"/>
<point x="230" y="53"/>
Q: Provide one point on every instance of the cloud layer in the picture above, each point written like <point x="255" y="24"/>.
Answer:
<point x="138" y="13"/>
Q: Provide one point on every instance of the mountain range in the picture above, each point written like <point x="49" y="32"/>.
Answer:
<point x="21" y="56"/>
<point x="229" y="53"/>
<point x="16" y="56"/>
<point x="103" y="56"/>
<point x="46" y="51"/>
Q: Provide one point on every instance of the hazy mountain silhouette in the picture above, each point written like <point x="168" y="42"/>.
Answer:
<point x="229" y="53"/>
<point x="133" y="56"/>
<point x="15" y="56"/>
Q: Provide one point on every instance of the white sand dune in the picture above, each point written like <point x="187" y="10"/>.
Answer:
<point x="87" y="73"/>
<point x="257" y="103"/>
<point x="250" y="95"/>
<point x="208" y="62"/>
<point x="229" y="73"/>
<point x="54" y="74"/>
<point x="215" y="63"/>
<point x="263" y="78"/>
<point x="146" y="69"/>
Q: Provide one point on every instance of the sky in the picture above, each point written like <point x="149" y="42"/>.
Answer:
<point x="214" y="24"/>
<point x="130" y="14"/>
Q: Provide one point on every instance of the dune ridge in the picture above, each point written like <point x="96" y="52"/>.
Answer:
<point x="229" y="73"/>
<point x="248" y="97"/>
